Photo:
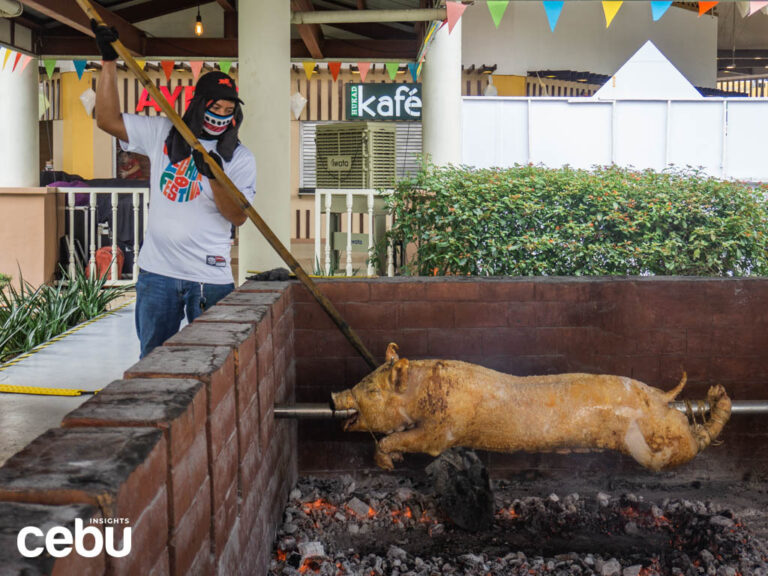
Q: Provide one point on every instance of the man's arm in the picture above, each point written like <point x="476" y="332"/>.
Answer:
<point x="108" y="116"/>
<point x="229" y="208"/>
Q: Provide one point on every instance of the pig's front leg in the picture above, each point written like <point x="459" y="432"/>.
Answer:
<point x="415" y="440"/>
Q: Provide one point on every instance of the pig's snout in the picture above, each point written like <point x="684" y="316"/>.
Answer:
<point x="343" y="400"/>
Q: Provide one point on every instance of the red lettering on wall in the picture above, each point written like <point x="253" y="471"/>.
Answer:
<point x="189" y="93"/>
<point x="146" y="100"/>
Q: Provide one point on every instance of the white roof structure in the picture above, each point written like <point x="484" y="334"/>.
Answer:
<point x="647" y="75"/>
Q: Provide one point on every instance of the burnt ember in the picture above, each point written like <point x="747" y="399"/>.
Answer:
<point x="392" y="526"/>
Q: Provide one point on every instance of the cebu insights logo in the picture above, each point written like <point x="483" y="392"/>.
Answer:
<point x="60" y="540"/>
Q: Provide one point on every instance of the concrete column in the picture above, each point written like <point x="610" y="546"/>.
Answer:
<point x="441" y="86"/>
<point x="264" y="56"/>
<point x="19" y="114"/>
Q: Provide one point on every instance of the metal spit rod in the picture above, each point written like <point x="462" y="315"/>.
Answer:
<point x="321" y="411"/>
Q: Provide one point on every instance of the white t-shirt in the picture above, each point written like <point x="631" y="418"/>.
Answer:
<point x="186" y="236"/>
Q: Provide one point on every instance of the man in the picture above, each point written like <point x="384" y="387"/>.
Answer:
<point x="184" y="263"/>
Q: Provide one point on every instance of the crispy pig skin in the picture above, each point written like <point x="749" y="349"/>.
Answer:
<point x="432" y="405"/>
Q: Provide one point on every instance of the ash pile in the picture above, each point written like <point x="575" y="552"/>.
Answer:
<point x="388" y="525"/>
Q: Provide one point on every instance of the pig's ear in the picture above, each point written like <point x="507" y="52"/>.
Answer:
<point x="391" y="355"/>
<point x="398" y="376"/>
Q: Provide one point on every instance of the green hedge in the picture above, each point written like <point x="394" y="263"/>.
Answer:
<point x="530" y="220"/>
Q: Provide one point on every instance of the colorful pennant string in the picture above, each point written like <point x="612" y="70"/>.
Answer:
<point x="413" y="68"/>
<point x="309" y="69"/>
<point x="454" y="11"/>
<point x="79" y="68"/>
<point x="705" y="7"/>
<point x="225" y="66"/>
<point x="5" y="58"/>
<point x="168" y="68"/>
<point x="16" y="61"/>
<point x="756" y="5"/>
<point x="334" y="68"/>
<point x="25" y="61"/>
<point x="611" y="8"/>
<point x="392" y="68"/>
<point x="196" y="66"/>
<point x="363" y="67"/>
<point x="497" y="9"/>
<point x="553" y="10"/>
<point x="658" y="8"/>
<point x="50" y="66"/>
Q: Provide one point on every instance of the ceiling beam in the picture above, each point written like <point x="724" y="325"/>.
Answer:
<point x="375" y="31"/>
<point x="311" y="34"/>
<point x="361" y="50"/>
<point x="148" y="10"/>
<point x="227" y="5"/>
<point x="351" y="16"/>
<point x="69" y="14"/>
<point x="158" y="48"/>
<point x="215" y="48"/>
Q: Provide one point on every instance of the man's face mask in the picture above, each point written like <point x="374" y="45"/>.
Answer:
<point x="214" y="124"/>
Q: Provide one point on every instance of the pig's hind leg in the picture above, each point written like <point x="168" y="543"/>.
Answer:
<point x="418" y="439"/>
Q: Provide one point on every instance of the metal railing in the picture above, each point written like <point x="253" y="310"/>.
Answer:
<point x="349" y="201"/>
<point x="93" y="231"/>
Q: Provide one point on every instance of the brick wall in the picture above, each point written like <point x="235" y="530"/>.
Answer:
<point x="646" y="328"/>
<point x="186" y="448"/>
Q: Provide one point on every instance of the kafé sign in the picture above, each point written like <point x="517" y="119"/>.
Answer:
<point x="384" y="102"/>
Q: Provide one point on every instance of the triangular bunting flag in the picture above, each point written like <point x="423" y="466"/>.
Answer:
<point x="743" y="6"/>
<point x="454" y="11"/>
<point x="88" y="99"/>
<point x="611" y="8"/>
<point x="168" y="68"/>
<point x="141" y="63"/>
<point x="196" y="66"/>
<point x="755" y="5"/>
<point x="497" y="9"/>
<point x="79" y="68"/>
<point x="309" y="69"/>
<point x="705" y="7"/>
<point x="392" y="68"/>
<point x="42" y="102"/>
<point x="25" y="61"/>
<point x="297" y="104"/>
<point x="334" y="68"/>
<point x="16" y="61"/>
<point x="658" y="8"/>
<point x="363" y="67"/>
<point x="225" y="65"/>
<point x="553" y="10"/>
<point x="5" y="58"/>
<point x="50" y="65"/>
<point x="413" y="68"/>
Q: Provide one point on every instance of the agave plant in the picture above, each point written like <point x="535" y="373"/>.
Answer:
<point x="30" y="316"/>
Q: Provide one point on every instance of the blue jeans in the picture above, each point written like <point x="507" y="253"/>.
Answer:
<point x="161" y="303"/>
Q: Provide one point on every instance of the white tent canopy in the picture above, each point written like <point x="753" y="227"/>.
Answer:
<point x="648" y="75"/>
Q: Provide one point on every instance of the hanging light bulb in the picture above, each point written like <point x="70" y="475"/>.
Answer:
<point x="198" y="23"/>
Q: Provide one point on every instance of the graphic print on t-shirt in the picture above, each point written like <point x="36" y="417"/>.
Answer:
<point x="180" y="182"/>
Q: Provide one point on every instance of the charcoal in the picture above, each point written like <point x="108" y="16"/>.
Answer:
<point x="359" y="507"/>
<point x="463" y="489"/>
<point x="610" y="568"/>
<point x="396" y="526"/>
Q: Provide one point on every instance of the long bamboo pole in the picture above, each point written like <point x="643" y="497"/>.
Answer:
<point x="235" y="194"/>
